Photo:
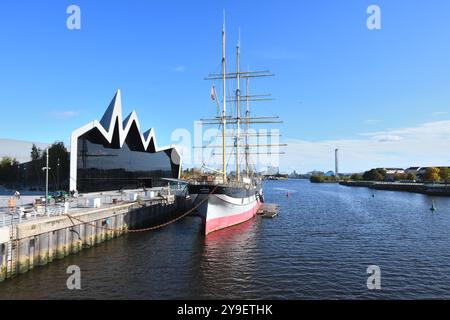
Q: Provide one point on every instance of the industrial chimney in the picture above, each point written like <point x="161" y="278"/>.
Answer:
<point x="336" y="163"/>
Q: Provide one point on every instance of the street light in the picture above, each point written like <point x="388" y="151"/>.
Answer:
<point x="18" y="176"/>
<point x="57" y="175"/>
<point x="21" y="175"/>
<point x="46" y="168"/>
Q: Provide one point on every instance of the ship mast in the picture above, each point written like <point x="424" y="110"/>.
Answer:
<point x="224" y="109"/>
<point x="238" y="105"/>
<point x="247" y="116"/>
<point x="224" y="120"/>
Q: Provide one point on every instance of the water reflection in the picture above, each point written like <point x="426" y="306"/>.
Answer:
<point x="235" y="248"/>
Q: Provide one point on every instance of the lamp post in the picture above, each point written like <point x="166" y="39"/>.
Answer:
<point x="336" y="163"/>
<point x="46" y="168"/>
<point x="57" y="175"/>
<point x="25" y="177"/>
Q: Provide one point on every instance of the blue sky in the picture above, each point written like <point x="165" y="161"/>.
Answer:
<point x="368" y="92"/>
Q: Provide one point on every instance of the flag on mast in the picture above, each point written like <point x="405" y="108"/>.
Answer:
<point x="213" y="93"/>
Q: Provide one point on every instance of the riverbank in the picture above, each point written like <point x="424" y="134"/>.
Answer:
<point x="423" y="188"/>
<point x="36" y="241"/>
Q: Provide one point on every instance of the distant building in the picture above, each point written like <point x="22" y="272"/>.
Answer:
<point x="391" y="172"/>
<point x="394" y="170"/>
<point x="316" y="173"/>
<point x="271" y="171"/>
<point x="330" y="174"/>
<point x="294" y="175"/>
<point x="336" y="162"/>
<point x="413" y="170"/>
<point x="423" y="170"/>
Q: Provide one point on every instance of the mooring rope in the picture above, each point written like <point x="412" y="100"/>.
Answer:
<point x="144" y="229"/>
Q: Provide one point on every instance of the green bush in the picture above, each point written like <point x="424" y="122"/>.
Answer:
<point x="356" y="177"/>
<point x="317" y="179"/>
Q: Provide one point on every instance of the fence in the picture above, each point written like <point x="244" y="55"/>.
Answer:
<point x="18" y="214"/>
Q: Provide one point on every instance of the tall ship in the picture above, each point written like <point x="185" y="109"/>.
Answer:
<point x="223" y="200"/>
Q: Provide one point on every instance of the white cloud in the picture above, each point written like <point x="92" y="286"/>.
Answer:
<point x="440" y="113"/>
<point x="426" y="144"/>
<point x="179" y="68"/>
<point x="372" y="121"/>
<point x="386" y="138"/>
<point x="63" y="114"/>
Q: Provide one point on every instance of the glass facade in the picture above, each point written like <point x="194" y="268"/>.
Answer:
<point x="103" y="166"/>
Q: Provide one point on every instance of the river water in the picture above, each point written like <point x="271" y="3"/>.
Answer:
<point x="319" y="247"/>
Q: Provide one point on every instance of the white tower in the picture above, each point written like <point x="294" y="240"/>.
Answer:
<point x="336" y="163"/>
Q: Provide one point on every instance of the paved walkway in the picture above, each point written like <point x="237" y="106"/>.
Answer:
<point x="7" y="216"/>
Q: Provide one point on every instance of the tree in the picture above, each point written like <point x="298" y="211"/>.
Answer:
<point x="59" y="163"/>
<point x="34" y="173"/>
<point x="432" y="175"/>
<point x="444" y="174"/>
<point x="319" y="178"/>
<point x="400" y="176"/>
<point x="411" y="176"/>
<point x="6" y="162"/>
<point x="8" y="170"/>
<point x="374" y="175"/>
<point x="379" y="176"/>
<point x="35" y="153"/>
<point x="58" y="160"/>
<point x="356" y="177"/>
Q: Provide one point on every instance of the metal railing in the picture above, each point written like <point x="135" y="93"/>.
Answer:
<point x="17" y="215"/>
<point x="23" y="213"/>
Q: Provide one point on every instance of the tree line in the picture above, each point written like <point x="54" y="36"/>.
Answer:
<point x="322" y="178"/>
<point x="432" y="174"/>
<point x="29" y="175"/>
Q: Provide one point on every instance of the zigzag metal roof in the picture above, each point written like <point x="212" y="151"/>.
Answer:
<point x="112" y="116"/>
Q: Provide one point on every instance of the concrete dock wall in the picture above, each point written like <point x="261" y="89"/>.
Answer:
<point x="4" y="238"/>
<point x="38" y="242"/>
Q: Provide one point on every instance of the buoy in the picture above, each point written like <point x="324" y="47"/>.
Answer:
<point x="433" y="207"/>
<point x="373" y="195"/>
<point x="287" y="194"/>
